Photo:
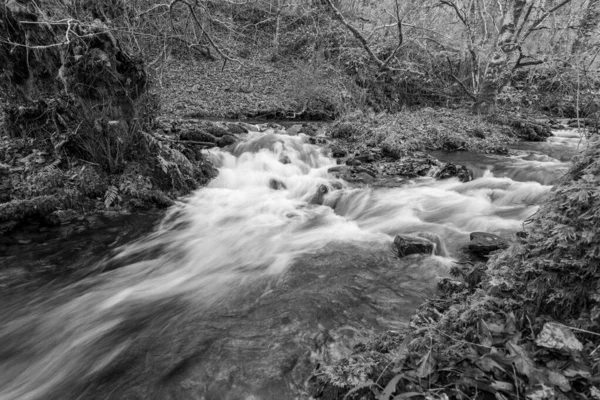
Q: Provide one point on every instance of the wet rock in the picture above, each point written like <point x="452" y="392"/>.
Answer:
<point x="61" y="217"/>
<point x="483" y="243"/>
<point x="226" y="141"/>
<point x="308" y="129"/>
<point x="364" y="178"/>
<point x="454" y="171"/>
<point x="293" y="130"/>
<point x="317" y="140"/>
<point x="319" y="196"/>
<point x="340" y="171"/>
<point x="361" y="170"/>
<point x="406" y="245"/>
<point x="412" y="167"/>
<point x="285" y="160"/>
<point x="197" y="136"/>
<point x="576" y="123"/>
<point x="365" y="157"/>
<point x="276" y="184"/>
<point x="236" y="129"/>
<point x="338" y="152"/>
<point x="217" y="131"/>
<point x="353" y="161"/>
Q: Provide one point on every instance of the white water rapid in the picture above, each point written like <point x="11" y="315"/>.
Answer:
<point x="236" y="278"/>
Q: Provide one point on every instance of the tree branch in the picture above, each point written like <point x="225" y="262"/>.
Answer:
<point x="383" y="65"/>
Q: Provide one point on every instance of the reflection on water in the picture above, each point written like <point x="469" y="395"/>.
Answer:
<point x="224" y="298"/>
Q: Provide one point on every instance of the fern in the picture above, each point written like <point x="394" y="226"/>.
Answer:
<point x="110" y="196"/>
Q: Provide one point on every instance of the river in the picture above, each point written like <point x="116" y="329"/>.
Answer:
<point x="244" y="285"/>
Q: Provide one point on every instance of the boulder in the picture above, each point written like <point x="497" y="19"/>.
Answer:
<point x="217" y="131"/>
<point x="406" y="245"/>
<point x="318" y="197"/>
<point x="483" y="243"/>
<point x="360" y="170"/>
<point x="338" y="152"/>
<point x="226" y="141"/>
<point x="365" y="157"/>
<point x="364" y="178"/>
<point x="308" y="129"/>
<point x="293" y="130"/>
<point x="454" y="171"/>
<point x="353" y="161"/>
<point x="236" y="129"/>
<point x="197" y="136"/>
<point x="276" y="184"/>
<point x="61" y="217"/>
<point x="285" y="159"/>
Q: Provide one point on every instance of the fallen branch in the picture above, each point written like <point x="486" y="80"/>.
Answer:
<point x="205" y="144"/>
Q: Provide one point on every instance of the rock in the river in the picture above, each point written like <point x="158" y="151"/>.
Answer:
<point x="236" y="129"/>
<point x="285" y="159"/>
<point x="338" y="152"/>
<point x="217" y="131"/>
<point x="365" y="157"/>
<point x="364" y="178"/>
<point x="276" y="184"/>
<point x="451" y="171"/>
<point x="226" y="141"/>
<point x="353" y="161"/>
<point x="61" y="217"/>
<point x="293" y="130"/>
<point x="197" y="136"/>
<point x="318" y="197"/>
<point x="483" y="243"/>
<point x="406" y="245"/>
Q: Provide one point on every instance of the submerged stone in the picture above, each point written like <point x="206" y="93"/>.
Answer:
<point x="318" y="197"/>
<point x="483" y="243"/>
<point x="406" y="245"/>
<point x="276" y="184"/>
<point x="285" y="160"/>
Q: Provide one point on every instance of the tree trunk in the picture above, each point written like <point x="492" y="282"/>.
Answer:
<point x="503" y="61"/>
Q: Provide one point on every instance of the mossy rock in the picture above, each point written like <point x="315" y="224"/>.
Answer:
<point x="226" y="141"/>
<point x="343" y="131"/>
<point x="217" y="131"/>
<point x="236" y="129"/>
<point x="198" y="136"/>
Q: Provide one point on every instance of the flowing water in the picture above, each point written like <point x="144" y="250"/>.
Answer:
<point x="246" y="283"/>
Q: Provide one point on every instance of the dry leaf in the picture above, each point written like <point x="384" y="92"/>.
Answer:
<point x="558" y="337"/>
